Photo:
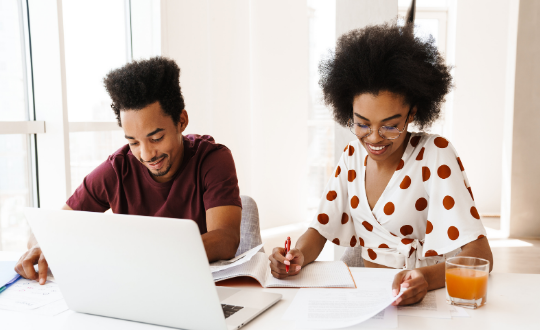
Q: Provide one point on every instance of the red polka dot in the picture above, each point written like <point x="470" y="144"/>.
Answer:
<point x="429" y="227"/>
<point x="470" y="192"/>
<point x="460" y="164"/>
<point x="426" y="173"/>
<point x="365" y="161"/>
<point x="474" y="213"/>
<point x="406" y="182"/>
<point x="361" y="241"/>
<point x="393" y="234"/>
<point x="323" y="218"/>
<point x="421" y="204"/>
<point x="347" y="147"/>
<point x="448" y="202"/>
<point x="411" y="251"/>
<point x="407" y="241"/>
<point x="335" y="241"/>
<point x="406" y="230"/>
<point x="400" y="165"/>
<point x="351" y="150"/>
<point x="338" y="170"/>
<point x="332" y="194"/>
<point x="420" y="154"/>
<point x="367" y="225"/>
<point x="431" y="253"/>
<point x="354" y="202"/>
<point x="453" y="233"/>
<point x="444" y="171"/>
<point x="344" y="218"/>
<point x="480" y="236"/>
<point x="351" y="175"/>
<point x="383" y="246"/>
<point x="441" y="142"/>
<point x="372" y="254"/>
<point x="389" y="208"/>
<point x="353" y="241"/>
<point x="415" y="140"/>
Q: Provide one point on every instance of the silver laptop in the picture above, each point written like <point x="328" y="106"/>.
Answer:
<point x="146" y="269"/>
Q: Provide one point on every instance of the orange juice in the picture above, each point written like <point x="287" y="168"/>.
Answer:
<point x="470" y="284"/>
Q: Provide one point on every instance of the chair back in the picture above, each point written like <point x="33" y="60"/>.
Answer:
<point x="353" y="257"/>
<point x="250" y="231"/>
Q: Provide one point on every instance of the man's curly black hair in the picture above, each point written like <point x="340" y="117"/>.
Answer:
<point x="141" y="83"/>
<point x="385" y="57"/>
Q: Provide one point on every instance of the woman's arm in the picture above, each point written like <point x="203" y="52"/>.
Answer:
<point x="419" y="281"/>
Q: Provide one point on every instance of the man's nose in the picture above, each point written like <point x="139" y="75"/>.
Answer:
<point x="147" y="152"/>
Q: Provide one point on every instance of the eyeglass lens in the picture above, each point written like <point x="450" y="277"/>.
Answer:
<point x="386" y="132"/>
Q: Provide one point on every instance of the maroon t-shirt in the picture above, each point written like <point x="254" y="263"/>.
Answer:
<point x="206" y="179"/>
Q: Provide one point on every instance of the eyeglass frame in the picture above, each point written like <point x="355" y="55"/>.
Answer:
<point x="352" y="123"/>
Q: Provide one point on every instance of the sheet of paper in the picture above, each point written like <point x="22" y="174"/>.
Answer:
<point x="256" y="267"/>
<point x="318" y="274"/>
<point x="337" y="308"/>
<point x="28" y="294"/>
<point x="238" y="260"/>
<point x="6" y="272"/>
<point x="433" y="305"/>
<point x="386" y="319"/>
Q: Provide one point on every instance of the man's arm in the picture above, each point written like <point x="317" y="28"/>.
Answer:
<point x="223" y="236"/>
<point x="25" y="265"/>
<point x="419" y="281"/>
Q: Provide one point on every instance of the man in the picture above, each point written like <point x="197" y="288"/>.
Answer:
<point x="161" y="172"/>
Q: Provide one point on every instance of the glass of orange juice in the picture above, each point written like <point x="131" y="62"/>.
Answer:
<point x="466" y="281"/>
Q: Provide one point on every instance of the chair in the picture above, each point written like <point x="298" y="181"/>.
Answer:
<point x="250" y="231"/>
<point x="353" y="257"/>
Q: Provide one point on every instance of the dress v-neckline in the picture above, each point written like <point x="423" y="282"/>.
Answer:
<point x="405" y="157"/>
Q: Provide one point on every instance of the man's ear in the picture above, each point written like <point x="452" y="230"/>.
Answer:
<point x="183" y="122"/>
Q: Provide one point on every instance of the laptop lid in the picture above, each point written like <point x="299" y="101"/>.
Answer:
<point x="145" y="269"/>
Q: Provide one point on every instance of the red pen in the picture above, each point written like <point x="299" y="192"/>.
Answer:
<point x="287" y="249"/>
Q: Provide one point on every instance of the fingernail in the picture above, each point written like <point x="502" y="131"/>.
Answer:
<point x="405" y="285"/>
<point x="298" y="268"/>
<point x="288" y="256"/>
<point x="287" y="262"/>
<point x="395" y="292"/>
<point x="41" y="281"/>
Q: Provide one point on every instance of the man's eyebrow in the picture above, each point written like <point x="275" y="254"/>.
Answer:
<point x="157" y="130"/>
<point x="385" y="119"/>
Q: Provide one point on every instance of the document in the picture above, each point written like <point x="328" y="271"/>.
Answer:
<point x="238" y="260"/>
<point x="318" y="274"/>
<point x="27" y="294"/>
<point x="433" y="305"/>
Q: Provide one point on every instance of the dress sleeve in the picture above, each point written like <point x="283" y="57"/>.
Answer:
<point x="93" y="193"/>
<point x="220" y="181"/>
<point x="333" y="219"/>
<point x="453" y="219"/>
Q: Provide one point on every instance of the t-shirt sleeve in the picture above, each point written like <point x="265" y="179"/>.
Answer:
<point x="220" y="180"/>
<point x="333" y="219"/>
<point x="93" y="193"/>
<point x="453" y="219"/>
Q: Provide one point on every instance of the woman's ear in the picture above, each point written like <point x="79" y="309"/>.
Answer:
<point x="413" y="113"/>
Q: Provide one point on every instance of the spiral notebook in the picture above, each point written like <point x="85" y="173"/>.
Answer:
<point x="318" y="274"/>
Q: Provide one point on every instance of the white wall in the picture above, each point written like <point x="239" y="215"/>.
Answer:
<point x="479" y="98"/>
<point x="244" y="76"/>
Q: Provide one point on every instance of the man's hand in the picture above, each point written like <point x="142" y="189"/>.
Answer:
<point x="278" y="260"/>
<point x="25" y="265"/>
<point x="415" y="283"/>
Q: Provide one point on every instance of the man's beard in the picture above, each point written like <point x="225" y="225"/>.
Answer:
<point x="159" y="172"/>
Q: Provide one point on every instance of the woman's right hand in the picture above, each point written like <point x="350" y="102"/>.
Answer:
<point x="278" y="261"/>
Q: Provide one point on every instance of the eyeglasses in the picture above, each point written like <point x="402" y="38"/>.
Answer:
<point x="386" y="132"/>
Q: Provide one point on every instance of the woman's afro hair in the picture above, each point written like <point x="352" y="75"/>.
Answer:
<point x="385" y="57"/>
<point x="141" y="83"/>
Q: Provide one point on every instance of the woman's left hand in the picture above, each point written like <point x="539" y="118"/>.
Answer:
<point x="415" y="283"/>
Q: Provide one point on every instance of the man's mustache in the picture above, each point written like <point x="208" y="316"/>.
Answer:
<point x="155" y="159"/>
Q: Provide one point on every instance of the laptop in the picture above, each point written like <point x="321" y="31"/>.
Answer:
<point x="145" y="269"/>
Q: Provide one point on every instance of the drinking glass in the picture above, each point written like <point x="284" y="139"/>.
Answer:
<point x="466" y="281"/>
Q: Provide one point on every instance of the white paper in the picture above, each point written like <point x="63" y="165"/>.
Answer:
<point x="318" y="274"/>
<point x="337" y="308"/>
<point x="238" y="260"/>
<point x="433" y="305"/>
<point x="29" y="294"/>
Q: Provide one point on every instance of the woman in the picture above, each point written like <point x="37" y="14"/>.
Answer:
<point x="404" y="197"/>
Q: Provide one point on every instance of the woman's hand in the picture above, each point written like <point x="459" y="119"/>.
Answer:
<point x="415" y="283"/>
<point x="278" y="261"/>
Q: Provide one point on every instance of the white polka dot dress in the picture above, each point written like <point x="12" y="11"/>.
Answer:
<point x="425" y="214"/>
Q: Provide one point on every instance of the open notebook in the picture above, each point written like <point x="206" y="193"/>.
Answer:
<point x="318" y="274"/>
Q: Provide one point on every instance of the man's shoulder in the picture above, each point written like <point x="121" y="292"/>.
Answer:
<point x="202" y="145"/>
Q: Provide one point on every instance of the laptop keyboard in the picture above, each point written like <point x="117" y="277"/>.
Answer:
<point x="229" y="310"/>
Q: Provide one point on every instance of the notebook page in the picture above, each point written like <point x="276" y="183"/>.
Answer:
<point x="255" y="268"/>
<point x="318" y="274"/>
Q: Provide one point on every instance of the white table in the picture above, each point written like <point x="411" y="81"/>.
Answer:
<point x="512" y="304"/>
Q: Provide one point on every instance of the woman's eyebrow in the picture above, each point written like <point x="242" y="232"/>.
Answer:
<point x="385" y="119"/>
